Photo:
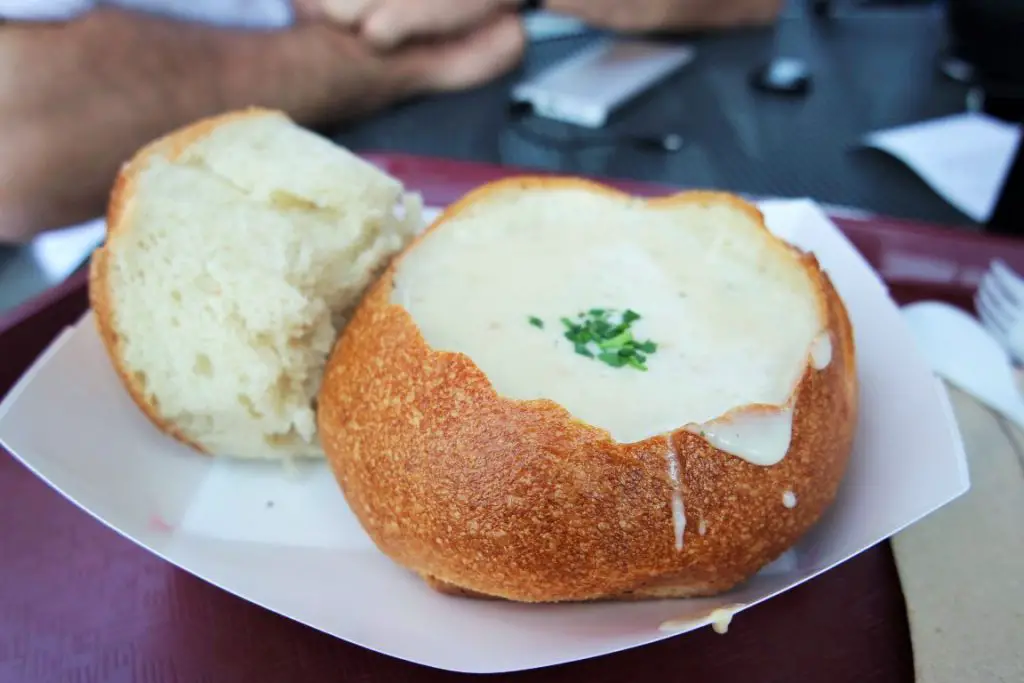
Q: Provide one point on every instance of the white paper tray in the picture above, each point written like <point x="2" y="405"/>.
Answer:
<point x="287" y="540"/>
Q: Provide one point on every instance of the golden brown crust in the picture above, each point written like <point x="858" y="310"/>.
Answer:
<point x="118" y="223"/>
<point x="487" y="495"/>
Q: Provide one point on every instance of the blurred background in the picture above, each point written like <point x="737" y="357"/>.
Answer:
<point x="782" y="110"/>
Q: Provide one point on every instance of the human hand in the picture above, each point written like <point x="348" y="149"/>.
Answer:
<point x="389" y="23"/>
<point x="57" y="170"/>
<point x="347" y="13"/>
<point x="466" y="60"/>
<point x="479" y="52"/>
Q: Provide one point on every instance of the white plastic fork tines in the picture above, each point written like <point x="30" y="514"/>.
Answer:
<point x="1000" y="305"/>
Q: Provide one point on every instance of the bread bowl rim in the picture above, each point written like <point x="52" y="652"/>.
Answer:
<point x="528" y="182"/>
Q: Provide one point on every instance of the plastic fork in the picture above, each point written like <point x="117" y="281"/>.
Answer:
<point x="999" y="302"/>
<point x="1008" y="278"/>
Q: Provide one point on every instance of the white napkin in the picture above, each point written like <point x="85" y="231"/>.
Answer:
<point x="962" y="568"/>
<point x="965" y="157"/>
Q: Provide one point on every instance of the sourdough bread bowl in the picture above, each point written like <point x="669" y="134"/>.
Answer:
<point x="236" y="249"/>
<point x="491" y="436"/>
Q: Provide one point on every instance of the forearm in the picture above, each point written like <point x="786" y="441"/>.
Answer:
<point x="78" y="99"/>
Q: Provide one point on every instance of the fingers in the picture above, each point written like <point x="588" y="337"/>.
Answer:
<point x="387" y="24"/>
<point x="432" y="45"/>
<point x="345" y="12"/>
<point x="391" y="22"/>
<point x="469" y="60"/>
<point x="306" y="9"/>
<point x="348" y="12"/>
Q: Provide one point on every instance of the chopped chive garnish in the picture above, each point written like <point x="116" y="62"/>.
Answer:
<point x="584" y="351"/>
<point x="613" y="338"/>
<point x="612" y="359"/>
<point x="618" y="341"/>
<point x="635" y="362"/>
<point x="595" y="333"/>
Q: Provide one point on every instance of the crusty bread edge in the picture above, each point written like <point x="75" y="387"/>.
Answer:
<point x="661" y="592"/>
<point x="119" y="210"/>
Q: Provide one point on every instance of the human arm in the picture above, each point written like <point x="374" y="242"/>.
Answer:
<point x="78" y="98"/>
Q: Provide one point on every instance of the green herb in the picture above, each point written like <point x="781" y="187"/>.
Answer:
<point x="537" y="322"/>
<point x="612" y="359"/>
<point x="597" y="334"/>
<point x="635" y="362"/>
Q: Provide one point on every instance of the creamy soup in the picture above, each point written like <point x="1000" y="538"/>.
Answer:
<point x="723" y="319"/>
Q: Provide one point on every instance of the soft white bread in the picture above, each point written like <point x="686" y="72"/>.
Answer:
<point x="236" y="249"/>
<point x="487" y="451"/>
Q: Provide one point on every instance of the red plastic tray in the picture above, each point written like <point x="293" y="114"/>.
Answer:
<point x="80" y="603"/>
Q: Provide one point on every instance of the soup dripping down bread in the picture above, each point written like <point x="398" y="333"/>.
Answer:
<point x="236" y="249"/>
<point x="589" y="395"/>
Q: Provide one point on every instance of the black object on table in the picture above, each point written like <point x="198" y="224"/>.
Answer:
<point x="783" y="76"/>
<point x="872" y="69"/>
<point x="988" y="37"/>
<point x="1008" y="216"/>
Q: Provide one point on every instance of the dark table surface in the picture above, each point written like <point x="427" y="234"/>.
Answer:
<point x="872" y="69"/>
